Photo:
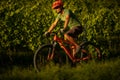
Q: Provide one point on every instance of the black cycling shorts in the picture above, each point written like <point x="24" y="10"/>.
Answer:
<point x="75" y="31"/>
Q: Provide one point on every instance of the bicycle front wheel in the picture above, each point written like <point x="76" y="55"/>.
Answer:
<point x="42" y="56"/>
<point x="90" y="51"/>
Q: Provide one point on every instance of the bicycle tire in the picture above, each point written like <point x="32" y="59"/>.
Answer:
<point x="40" y="57"/>
<point x="44" y="51"/>
<point x="90" y="51"/>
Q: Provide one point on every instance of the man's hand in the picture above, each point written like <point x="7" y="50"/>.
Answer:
<point x="47" y="34"/>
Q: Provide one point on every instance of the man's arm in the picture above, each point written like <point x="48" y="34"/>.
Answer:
<point x="53" y="25"/>
<point x="66" y="21"/>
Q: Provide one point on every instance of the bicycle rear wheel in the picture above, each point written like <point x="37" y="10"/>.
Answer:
<point x="42" y="57"/>
<point x="90" y="51"/>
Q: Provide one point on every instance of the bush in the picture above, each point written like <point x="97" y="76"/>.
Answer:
<point x="23" y="23"/>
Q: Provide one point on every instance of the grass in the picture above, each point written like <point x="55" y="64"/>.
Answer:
<point x="107" y="70"/>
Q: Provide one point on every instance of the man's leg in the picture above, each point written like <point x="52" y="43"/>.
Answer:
<point x="77" y="47"/>
<point x="74" y="32"/>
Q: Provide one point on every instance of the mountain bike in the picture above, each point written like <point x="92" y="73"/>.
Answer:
<point x="60" y="50"/>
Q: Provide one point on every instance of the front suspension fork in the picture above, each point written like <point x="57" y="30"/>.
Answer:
<point x="51" y="52"/>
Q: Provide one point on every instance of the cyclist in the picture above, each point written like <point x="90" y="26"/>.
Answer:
<point x="72" y="27"/>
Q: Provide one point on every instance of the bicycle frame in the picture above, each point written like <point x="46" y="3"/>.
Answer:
<point x="61" y="41"/>
<point x="69" y="51"/>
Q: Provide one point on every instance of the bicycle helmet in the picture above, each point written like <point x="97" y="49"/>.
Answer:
<point x="56" y="4"/>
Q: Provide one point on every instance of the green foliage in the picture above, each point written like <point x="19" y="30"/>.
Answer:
<point x="90" y="71"/>
<point x="22" y="23"/>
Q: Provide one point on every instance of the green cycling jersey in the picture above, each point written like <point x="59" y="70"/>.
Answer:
<point x="73" y="20"/>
